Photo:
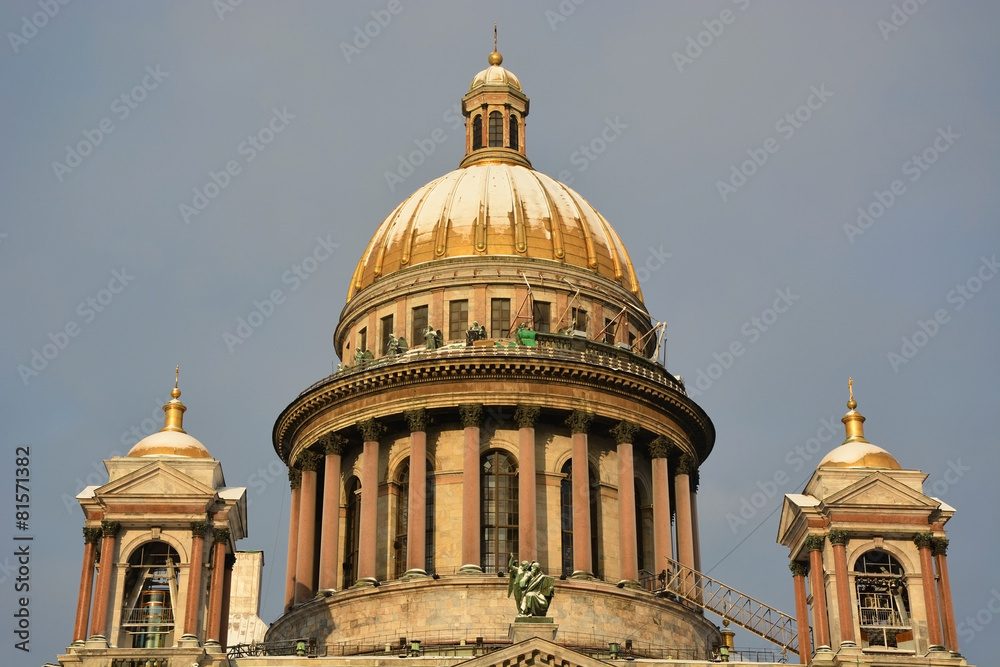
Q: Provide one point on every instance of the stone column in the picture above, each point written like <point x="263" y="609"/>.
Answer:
<point x="371" y="430"/>
<point x="213" y="629"/>
<point x="821" y="620"/>
<point x="416" y="509"/>
<point x="525" y="417"/>
<point x="471" y="552"/>
<point x="624" y="433"/>
<point x="90" y="537"/>
<point x="838" y="538"/>
<point x="663" y="549"/>
<point x="295" y="480"/>
<point x="227" y="591"/>
<point x="192" y="602"/>
<point x="99" y="623"/>
<point x="583" y="566"/>
<point x="333" y="446"/>
<point x="305" y="556"/>
<point x="801" y="610"/>
<point x="939" y="548"/>
<point x="685" y="530"/>
<point x="924" y="542"/>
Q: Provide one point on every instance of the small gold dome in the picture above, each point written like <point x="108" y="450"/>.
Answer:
<point x="495" y="58"/>
<point x="857" y="452"/>
<point x="495" y="209"/>
<point x="494" y="75"/>
<point x="172" y="439"/>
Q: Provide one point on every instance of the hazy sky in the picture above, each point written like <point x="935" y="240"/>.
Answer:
<point x="749" y="135"/>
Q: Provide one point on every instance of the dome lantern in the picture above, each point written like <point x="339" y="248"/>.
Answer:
<point x="171" y="440"/>
<point x="856" y="451"/>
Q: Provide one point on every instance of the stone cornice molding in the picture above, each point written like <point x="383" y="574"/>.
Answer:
<point x="417" y="420"/>
<point x="525" y="416"/>
<point x="371" y="430"/>
<point x="579" y="421"/>
<point x="624" y="432"/>
<point x="471" y="415"/>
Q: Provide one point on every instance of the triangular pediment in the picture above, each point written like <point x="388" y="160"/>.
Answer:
<point x="534" y="651"/>
<point x="879" y="490"/>
<point x="157" y="480"/>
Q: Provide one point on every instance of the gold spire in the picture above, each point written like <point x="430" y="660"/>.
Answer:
<point x="495" y="57"/>
<point x="853" y="420"/>
<point x="173" y="411"/>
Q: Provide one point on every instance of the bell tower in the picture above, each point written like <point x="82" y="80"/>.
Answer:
<point x="160" y="536"/>
<point x="874" y="549"/>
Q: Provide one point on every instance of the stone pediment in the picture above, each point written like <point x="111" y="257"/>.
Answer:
<point x="157" y="480"/>
<point x="879" y="490"/>
<point x="534" y="652"/>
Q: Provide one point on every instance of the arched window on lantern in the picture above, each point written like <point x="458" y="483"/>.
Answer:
<point x="477" y="133"/>
<point x="513" y="132"/>
<point x="496" y="129"/>
<point x="883" y="602"/>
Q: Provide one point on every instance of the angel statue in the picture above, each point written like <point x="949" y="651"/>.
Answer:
<point x="532" y="588"/>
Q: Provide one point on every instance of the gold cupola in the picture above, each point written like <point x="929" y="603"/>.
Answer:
<point x="171" y="440"/>
<point x="495" y="107"/>
<point x="856" y="451"/>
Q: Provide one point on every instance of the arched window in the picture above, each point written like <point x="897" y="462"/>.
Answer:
<point x="402" y="515"/>
<point x="150" y="596"/>
<point x="499" y="506"/>
<point x="353" y="528"/>
<point x="477" y="133"/>
<point x="513" y="132"/>
<point x="883" y="602"/>
<point x="566" y="519"/>
<point x="496" y="129"/>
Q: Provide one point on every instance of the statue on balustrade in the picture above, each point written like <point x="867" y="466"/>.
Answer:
<point x="433" y="339"/>
<point x="532" y="589"/>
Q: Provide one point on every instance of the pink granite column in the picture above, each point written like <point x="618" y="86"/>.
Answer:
<point x="940" y="551"/>
<point x="90" y="538"/>
<point x="295" y="481"/>
<point x="525" y="417"/>
<point x="213" y="630"/>
<point x="838" y="538"/>
<point x="416" y="512"/>
<point x="368" y="534"/>
<point x="659" y="448"/>
<point x="192" y="605"/>
<point x="305" y="557"/>
<point x="923" y="542"/>
<point x="333" y="445"/>
<point x="821" y="620"/>
<point x="583" y="566"/>
<point x="471" y="551"/>
<point x="624" y="433"/>
<point x="99" y="623"/>
<point x="685" y="532"/>
<point x="801" y="611"/>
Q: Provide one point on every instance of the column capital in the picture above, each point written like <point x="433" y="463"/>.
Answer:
<point x="686" y="465"/>
<point x="837" y="537"/>
<point x="417" y="420"/>
<point x="308" y="461"/>
<point x="332" y="443"/>
<point x="798" y="569"/>
<point x="525" y="416"/>
<point x="470" y="414"/>
<point x="294" y="477"/>
<point x="624" y="432"/>
<point x="659" y="447"/>
<point x="221" y="534"/>
<point x="923" y="540"/>
<point x="91" y="535"/>
<point x="110" y="528"/>
<point x="815" y="543"/>
<point x="371" y="430"/>
<point x="939" y="546"/>
<point x="198" y="528"/>
<point x="579" y="421"/>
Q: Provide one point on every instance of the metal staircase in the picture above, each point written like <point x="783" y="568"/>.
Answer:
<point x="738" y="608"/>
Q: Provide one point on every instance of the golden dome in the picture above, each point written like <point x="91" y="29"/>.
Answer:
<point x="856" y="452"/>
<point x="495" y="209"/>
<point x="172" y="439"/>
<point x="494" y="75"/>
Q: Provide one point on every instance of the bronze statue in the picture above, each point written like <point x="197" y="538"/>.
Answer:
<point x="432" y="339"/>
<point x="532" y="588"/>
